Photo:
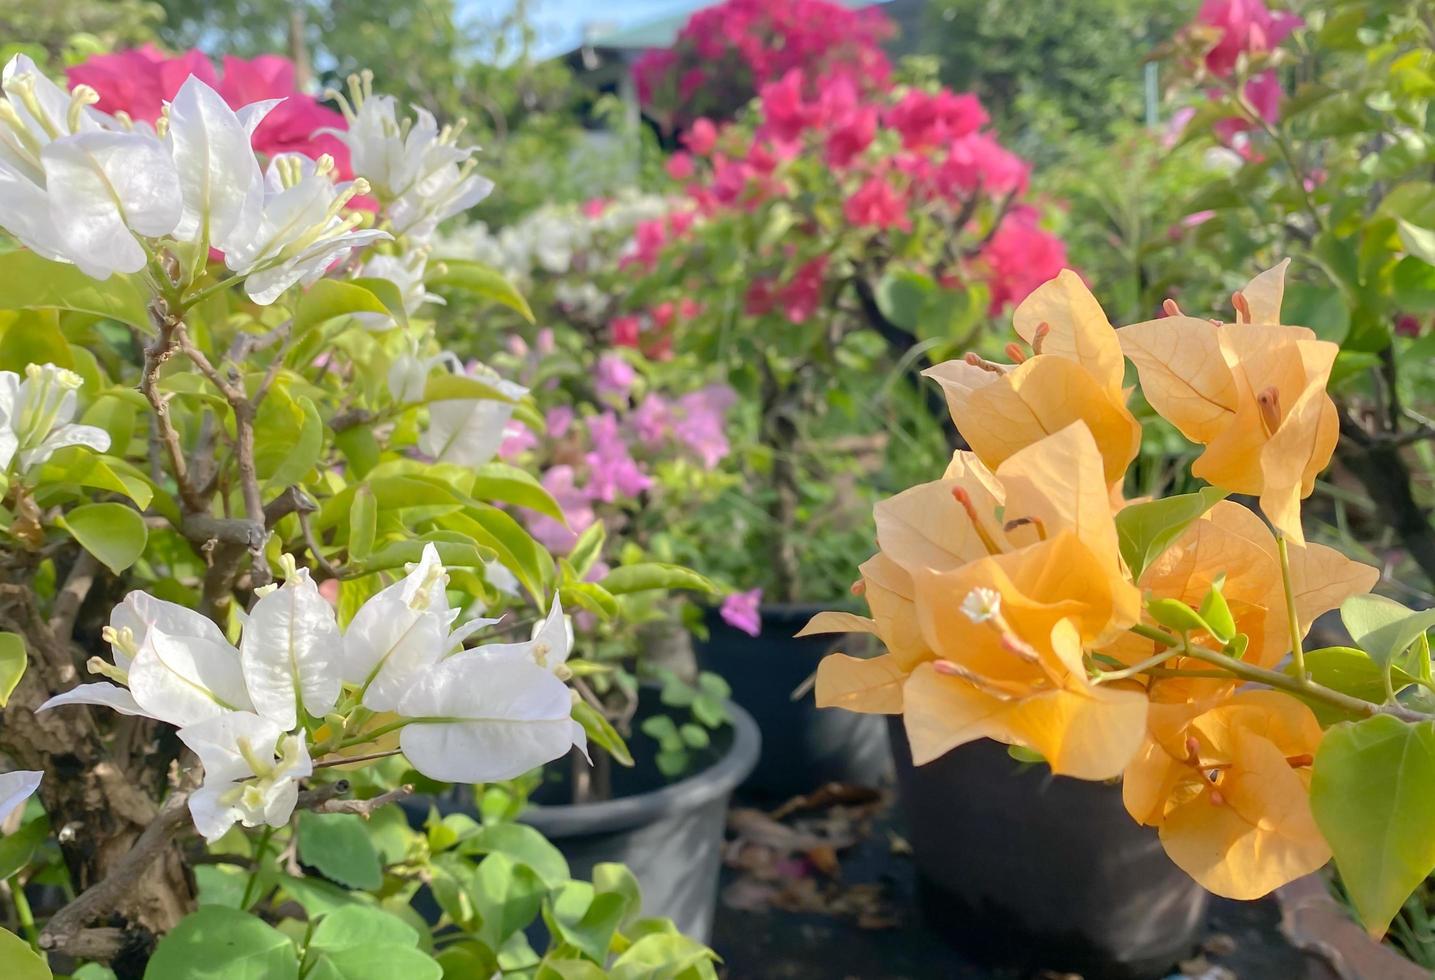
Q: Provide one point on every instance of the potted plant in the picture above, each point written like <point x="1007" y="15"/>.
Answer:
<point x="273" y="559"/>
<point x="855" y="220"/>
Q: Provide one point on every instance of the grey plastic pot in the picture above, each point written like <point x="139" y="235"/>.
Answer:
<point x="1039" y="871"/>
<point x="670" y="838"/>
<point x="803" y="746"/>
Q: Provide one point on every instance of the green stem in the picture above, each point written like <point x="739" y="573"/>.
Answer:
<point x="24" y="914"/>
<point x="1292" y="618"/>
<point x="369" y="736"/>
<point x="1107" y="676"/>
<point x="253" y="881"/>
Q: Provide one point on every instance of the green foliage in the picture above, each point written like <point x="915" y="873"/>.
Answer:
<point x="336" y="845"/>
<point x="216" y="942"/>
<point x="13" y="660"/>
<point x="113" y="533"/>
<point x="1145" y="530"/>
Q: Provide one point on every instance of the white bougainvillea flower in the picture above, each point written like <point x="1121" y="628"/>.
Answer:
<point x="552" y="640"/>
<point x="478" y="719"/>
<point x="17" y="787"/>
<point x="417" y="169"/>
<point x="291" y="651"/>
<point x="469" y="431"/>
<point x="409" y="374"/>
<point x="252" y="769"/>
<point x="219" y="176"/>
<point x="401" y="632"/>
<point x="405" y="271"/>
<point x="302" y="230"/>
<point x="176" y="666"/>
<point x="35" y="416"/>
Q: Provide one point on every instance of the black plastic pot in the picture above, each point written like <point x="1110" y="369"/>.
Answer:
<point x="803" y="746"/>
<point x="1036" y="871"/>
<point x="670" y="836"/>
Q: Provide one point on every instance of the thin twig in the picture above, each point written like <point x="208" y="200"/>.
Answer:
<point x="365" y="808"/>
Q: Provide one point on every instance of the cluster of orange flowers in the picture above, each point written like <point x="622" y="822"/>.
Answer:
<point x="1001" y="595"/>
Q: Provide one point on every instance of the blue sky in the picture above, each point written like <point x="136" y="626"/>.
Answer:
<point x="560" y="22"/>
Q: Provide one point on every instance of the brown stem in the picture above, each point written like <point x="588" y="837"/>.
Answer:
<point x="155" y="356"/>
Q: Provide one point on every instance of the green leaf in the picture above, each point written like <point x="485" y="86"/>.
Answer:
<point x="560" y="969"/>
<point x="1372" y="792"/>
<point x="374" y="961"/>
<point x="388" y="293"/>
<point x="612" y="877"/>
<point x="645" y="576"/>
<point x="902" y="295"/>
<point x="446" y="386"/>
<point x="1382" y="627"/>
<point x="28" y="281"/>
<point x="507" y="896"/>
<point x="301" y="449"/>
<point x="330" y="298"/>
<point x="363" y="518"/>
<point x="13" y="659"/>
<point x="32" y="337"/>
<point x="483" y="281"/>
<point x="583" y="918"/>
<point x="336" y="845"/>
<point x="113" y="533"/>
<point x="510" y="485"/>
<point x="587" y="548"/>
<point x="664" y="956"/>
<point x="218" y="943"/>
<point x="18" y="848"/>
<point x="357" y="924"/>
<point x="1418" y="241"/>
<point x="18" y="961"/>
<point x="76" y="466"/>
<point x="1217" y="613"/>
<point x="1148" y="529"/>
<point x="523" y="845"/>
<point x="601" y="732"/>
<point x="453" y="553"/>
<point x="1176" y="615"/>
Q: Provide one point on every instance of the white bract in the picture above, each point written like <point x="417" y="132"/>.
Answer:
<point x="17" y="787"/>
<point x="303" y="230"/>
<point x="416" y="169"/>
<point x="252" y="769"/>
<point x="468" y="431"/>
<point x="409" y="374"/>
<point x="35" y="416"/>
<point x="405" y="271"/>
<point x="291" y="651"/>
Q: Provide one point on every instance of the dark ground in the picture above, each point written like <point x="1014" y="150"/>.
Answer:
<point x="769" y="941"/>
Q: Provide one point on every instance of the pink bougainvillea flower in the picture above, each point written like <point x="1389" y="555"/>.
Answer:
<point x="612" y="470"/>
<point x="877" y="204"/>
<point x="1020" y="257"/>
<point x="556" y="536"/>
<point x="740" y="611"/>
<point x="701" y="137"/>
<point x="1245" y="27"/>
<point x="623" y="330"/>
<point x="613" y="378"/>
<point x="927" y="119"/>
<point x="802" y="295"/>
<point x="680" y="166"/>
<point x="701" y="422"/>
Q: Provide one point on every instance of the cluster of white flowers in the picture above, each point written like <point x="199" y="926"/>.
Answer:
<point x="79" y="186"/>
<point x="36" y="414"/>
<point x="464" y="715"/>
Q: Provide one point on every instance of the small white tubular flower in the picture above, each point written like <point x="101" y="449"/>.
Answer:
<point x="982" y="604"/>
<point x="252" y="770"/>
<point x="302" y="230"/>
<point x="176" y="664"/>
<point x="35" y="416"/>
<point x="416" y="169"/>
<point x="17" y="787"/>
<point x="219" y="177"/>
<point x="401" y="632"/>
<point x="478" y="719"/>
<point x="469" y="431"/>
<point x="406" y="272"/>
<point x="291" y="651"/>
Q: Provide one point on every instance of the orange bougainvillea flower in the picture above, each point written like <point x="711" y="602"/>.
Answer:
<point x="1231" y="542"/>
<point x="971" y="513"/>
<point x="1074" y="375"/>
<point x="1229" y="791"/>
<point x="1036" y="537"/>
<point x="1252" y="392"/>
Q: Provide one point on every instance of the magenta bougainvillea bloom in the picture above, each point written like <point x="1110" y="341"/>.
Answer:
<point x="740" y="611"/>
<point x="138" y="83"/>
<point x="1246" y="27"/>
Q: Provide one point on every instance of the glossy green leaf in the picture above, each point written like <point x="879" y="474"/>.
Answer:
<point x="218" y="943"/>
<point x="356" y="924"/>
<point x="522" y="844"/>
<point x="301" y="449"/>
<point x="113" y="533"/>
<point x="585" y="919"/>
<point x="587" y="548"/>
<point x="18" y="961"/>
<point x="363" y="517"/>
<point x="76" y="466"/>
<point x="1146" y="530"/>
<point x="1216" y="612"/>
<point x="330" y="298"/>
<point x="1176" y="615"/>
<point x="510" y="485"/>
<point x="1418" y="241"/>
<point x="601" y="732"/>
<point x="481" y="280"/>
<point x="1382" y="627"/>
<point x="336" y="845"/>
<point x="13" y="659"/>
<point x="28" y="281"/>
<point x="645" y="576"/>
<point x="446" y="386"/>
<point x="453" y="553"/>
<point x="664" y="957"/>
<point x="1372" y="792"/>
<point x="507" y="896"/>
<point x="374" y="961"/>
<point x="388" y="293"/>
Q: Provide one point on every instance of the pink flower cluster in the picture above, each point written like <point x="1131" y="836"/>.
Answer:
<point x="651" y="332"/>
<point x="138" y="82"/>
<point x="1249" y="28"/>
<point x="604" y="457"/>
<point x="727" y="52"/>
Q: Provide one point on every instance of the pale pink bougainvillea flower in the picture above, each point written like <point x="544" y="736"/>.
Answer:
<point x="740" y="611"/>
